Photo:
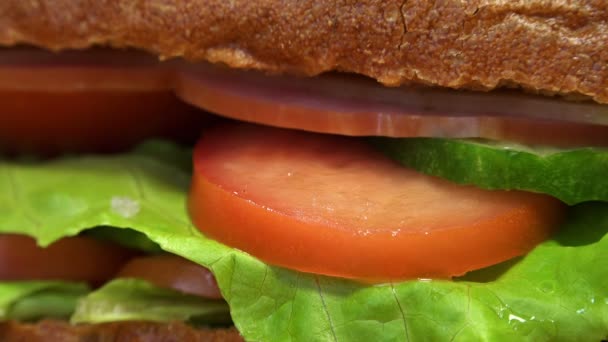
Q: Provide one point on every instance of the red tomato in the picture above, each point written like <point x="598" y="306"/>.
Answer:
<point x="173" y="272"/>
<point x="73" y="259"/>
<point x="332" y="205"/>
<point x="92" y="121"/>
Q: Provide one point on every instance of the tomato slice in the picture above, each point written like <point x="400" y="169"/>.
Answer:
<point x="71" y="259"/>
<point x="92" y="121"/>
<point x="356" y="106"/>
<point x="334" y="206"/>
<point x="173" y="272"/>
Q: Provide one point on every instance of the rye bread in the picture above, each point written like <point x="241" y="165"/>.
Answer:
<point x="547" y="46"/>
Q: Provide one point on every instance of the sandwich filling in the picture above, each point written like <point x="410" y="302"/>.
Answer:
<point x="442" y="214"/>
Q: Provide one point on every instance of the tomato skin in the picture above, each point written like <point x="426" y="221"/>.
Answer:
<point x="247" y="220"/>
<point x="171" y="271"/>
<point x="92" y="121"/>
<point x="70" y="259"/>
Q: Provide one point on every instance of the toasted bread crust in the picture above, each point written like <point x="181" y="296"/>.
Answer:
<point x="552" y="46"/>
<point x="53" y="331"/>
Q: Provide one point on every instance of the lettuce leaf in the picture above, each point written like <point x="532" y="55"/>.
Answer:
<point x="557" y="292"/>
<point x="133" y="299"/>
<point x="32" y="300"/>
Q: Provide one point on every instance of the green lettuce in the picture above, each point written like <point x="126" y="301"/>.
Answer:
<point x="134" y="299"/>
<point x="557" y="292"/>
<point x="32" y="300"/>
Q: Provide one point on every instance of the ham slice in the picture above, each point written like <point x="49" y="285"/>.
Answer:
<point x="335" y="103"/>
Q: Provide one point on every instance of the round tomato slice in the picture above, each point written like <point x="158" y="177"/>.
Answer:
<point x="173" y="272"/>
<point x="333" y="205"/>
<point x="71" y="259"/>
<point x="92" y="121"/>
<point x="355" y="106"/>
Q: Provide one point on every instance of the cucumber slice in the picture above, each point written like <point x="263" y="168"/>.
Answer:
<point x="573" y="175"/>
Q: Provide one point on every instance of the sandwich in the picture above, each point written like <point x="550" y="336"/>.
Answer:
<point x="306" y="171"/>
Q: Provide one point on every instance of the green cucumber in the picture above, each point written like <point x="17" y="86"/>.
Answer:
<point x="571" y="175"/>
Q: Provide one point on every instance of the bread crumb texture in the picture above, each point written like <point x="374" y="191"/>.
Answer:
<point x="547" y="46"/>
<point x="132" y="331"/>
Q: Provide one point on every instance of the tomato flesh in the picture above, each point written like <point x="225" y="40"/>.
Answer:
<point x="92" y="121"/>
<point x="334" y="206"/>
<point x="70" y="259"/>
<point x="170" y="271"/>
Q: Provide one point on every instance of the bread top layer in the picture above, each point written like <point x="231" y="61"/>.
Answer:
<point x="547" y="46"/>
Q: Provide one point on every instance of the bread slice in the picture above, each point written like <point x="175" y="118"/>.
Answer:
<point x="53" y="330"/>
<point x="549" y="46"/>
